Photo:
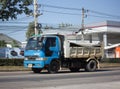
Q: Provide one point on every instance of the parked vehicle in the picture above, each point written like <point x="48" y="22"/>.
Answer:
<point x="53" y="51"/>
<point x="7" y="52"/>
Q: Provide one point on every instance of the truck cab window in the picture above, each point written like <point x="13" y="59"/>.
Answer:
<point x="34" y="44"/>
<point x="50" y="42"/>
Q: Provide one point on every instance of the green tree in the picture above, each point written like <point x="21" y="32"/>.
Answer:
<point x="14" y="44"/>
<point x="12" y="8"/>
<point x="30" y="32"/>
<point x="2" y="43"/>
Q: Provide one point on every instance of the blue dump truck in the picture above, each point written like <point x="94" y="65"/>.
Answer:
<point x="56" y="51"/>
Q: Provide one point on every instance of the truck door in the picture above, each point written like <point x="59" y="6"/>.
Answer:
<point x="51" y="47"/>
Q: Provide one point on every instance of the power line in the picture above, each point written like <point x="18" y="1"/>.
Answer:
<point x="60" y="12"/>
<point x="104" y="14"/>
<point x="15" y="31"/>
<point x="6" y="26"/>
<point x="101" y="14"/>
<point x="17" y="22"/>
<point x="59" y="7"/>
<point x="98" y="16"/>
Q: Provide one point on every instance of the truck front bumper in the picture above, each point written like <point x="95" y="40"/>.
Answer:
<point x="34" y="64"/>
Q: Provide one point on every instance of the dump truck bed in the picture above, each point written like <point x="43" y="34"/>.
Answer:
<point x="85" y="52"/>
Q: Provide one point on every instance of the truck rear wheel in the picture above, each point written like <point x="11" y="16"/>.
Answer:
<point x="91" y="66"/>
<point x="53" y="67"/>
<point x="36" y="70"/>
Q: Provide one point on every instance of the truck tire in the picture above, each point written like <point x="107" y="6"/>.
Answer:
<point x="91" y="66"/>
<point x="74" y="69"/>
<point x="36" y="70"/>
<point x="54" y="67"/>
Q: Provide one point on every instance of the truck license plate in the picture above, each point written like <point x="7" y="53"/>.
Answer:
<point x="29" y="65"/>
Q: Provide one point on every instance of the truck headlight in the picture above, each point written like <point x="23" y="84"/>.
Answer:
<point x="41" y="58"/>
<point x="26" y="58"/>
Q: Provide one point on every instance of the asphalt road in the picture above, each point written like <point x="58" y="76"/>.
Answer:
<point x="104" y="78"/>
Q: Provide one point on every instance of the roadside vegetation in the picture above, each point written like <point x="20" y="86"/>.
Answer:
<point x="17" y="64"/>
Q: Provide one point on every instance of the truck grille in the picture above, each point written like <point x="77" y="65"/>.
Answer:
<point x="32" y="57"/>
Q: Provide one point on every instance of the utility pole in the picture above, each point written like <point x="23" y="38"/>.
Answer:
<point x="35" y="16"/>
<point x="83" y="16"/>
<point x="82" y="23"/>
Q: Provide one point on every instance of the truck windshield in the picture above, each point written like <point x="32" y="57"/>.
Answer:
<point x="34" y="43"/>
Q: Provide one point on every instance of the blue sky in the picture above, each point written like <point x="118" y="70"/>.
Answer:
<point x="105" y="6"/>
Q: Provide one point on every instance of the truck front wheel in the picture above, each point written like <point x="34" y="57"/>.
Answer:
<point x="54" y="67"/>
<point x="91" y="66"/>
<point x="36" y="70"/>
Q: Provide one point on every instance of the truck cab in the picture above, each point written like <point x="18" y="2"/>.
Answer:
<point x="42" y="52"/>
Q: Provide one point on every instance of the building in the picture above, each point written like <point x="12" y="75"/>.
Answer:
<point x="107" y="32"/>
<point x="23" y="45"/>
<point x="8" y="39"/>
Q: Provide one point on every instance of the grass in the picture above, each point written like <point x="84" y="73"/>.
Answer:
<point x="21" y="68"/>
<point x="105" y="65"/>
<point x="14" y="68"/>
